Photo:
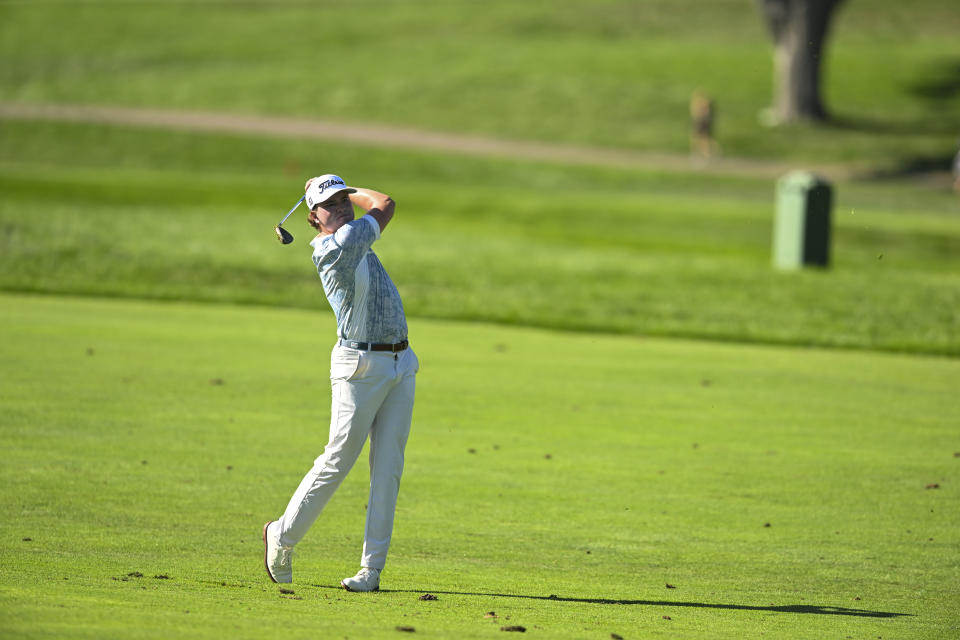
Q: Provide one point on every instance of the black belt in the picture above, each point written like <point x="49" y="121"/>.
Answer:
<point x="374" y="346"/>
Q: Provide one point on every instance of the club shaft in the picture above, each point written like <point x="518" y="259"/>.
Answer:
<point x="292" y="210"/>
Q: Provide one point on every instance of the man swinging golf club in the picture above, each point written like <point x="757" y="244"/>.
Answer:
<point x="372" y="375"/>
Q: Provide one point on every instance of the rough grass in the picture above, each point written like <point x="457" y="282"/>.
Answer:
<point x="121" y="212"/>
<point x="577" y="485"/>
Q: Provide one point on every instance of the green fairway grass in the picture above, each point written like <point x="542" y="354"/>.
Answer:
<point x="578" y="485"/>
<point x="615" y="73"/>
<point x="113" y="211"/>
<point x="628" y="423"/>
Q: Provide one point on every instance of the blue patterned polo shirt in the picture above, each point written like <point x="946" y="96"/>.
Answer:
<point x="364" y="299"/>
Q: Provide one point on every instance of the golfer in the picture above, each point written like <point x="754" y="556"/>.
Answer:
<point x="372" y="375"/>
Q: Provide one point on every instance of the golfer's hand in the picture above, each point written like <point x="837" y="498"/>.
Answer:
<point x="378" y="205"/>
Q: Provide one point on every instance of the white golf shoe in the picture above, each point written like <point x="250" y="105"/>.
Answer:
<point x="367" y="579"/>
<point x="276" y="557"/>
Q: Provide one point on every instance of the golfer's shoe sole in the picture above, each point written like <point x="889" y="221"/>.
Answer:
<point x="266" y="565"/>
<point x="344" y="585"/>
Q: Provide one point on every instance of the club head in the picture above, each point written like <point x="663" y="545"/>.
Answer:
<point x="283" y="235"/>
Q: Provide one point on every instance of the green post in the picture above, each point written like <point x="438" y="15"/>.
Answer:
<point x="801" y="230"/>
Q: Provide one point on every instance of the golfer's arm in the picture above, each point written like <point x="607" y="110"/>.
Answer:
<point x="379" y="205"/>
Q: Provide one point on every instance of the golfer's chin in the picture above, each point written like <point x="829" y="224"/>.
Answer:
<point x="332" y="228"/>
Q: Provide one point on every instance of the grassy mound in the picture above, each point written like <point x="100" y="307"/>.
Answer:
<point x="616" y="73"/>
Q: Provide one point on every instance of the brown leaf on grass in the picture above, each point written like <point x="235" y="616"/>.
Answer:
<point x="667" y="618"/>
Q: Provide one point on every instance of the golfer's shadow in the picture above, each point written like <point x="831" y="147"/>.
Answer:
<point x="787" y="608"/>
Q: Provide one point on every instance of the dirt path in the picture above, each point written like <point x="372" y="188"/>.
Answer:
<point x="405" y="138"/>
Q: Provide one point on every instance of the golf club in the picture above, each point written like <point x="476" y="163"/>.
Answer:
<point x="282" y="234"/>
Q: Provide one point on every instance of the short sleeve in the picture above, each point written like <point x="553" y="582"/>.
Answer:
<point x="373" y="222"/>
<point x="354" y="238"/>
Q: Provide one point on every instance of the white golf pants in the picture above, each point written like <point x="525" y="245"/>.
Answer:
<point x="372" y="393"/>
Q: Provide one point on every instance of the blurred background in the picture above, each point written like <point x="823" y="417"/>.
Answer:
<point x="605" y="165"/>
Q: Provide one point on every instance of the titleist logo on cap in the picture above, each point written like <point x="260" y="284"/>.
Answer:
<point x="330" y="183"/>
<point x="324" y="187"/>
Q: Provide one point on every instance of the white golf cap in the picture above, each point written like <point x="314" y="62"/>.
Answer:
<point x="324" y="187"/>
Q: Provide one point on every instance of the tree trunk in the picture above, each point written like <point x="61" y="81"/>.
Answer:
<point x="799" y="29"/>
